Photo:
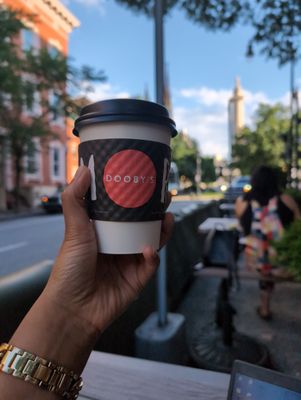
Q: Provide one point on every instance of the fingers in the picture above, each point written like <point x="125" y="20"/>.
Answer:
<point x="167" y="227"/>
<point x="75" y="213"/>
<point x="152" y="261"/>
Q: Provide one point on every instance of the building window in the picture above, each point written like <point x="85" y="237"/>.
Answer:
<point x="54" y="47"/>
<point x="57" y="162"/>
<point x="56" y="111"/>
<point x="31" y="164"/>
<point x="32" y="161"/>
<point x="53" y="51"/>
<point x="34" y="109"/>
<point x="30" y="40"/>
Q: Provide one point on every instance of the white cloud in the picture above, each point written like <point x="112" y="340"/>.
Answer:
<point x="209" y="129"/>
<point x="96" y="4"/>
<point x="207" y="119"/>
<point x="207" y="97"/>
<point x="103" y="91"/>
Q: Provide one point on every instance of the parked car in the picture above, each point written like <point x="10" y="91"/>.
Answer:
<point x="53" y="203"/>
<point x="237" y="187"/>
<point x="174" y="180"/>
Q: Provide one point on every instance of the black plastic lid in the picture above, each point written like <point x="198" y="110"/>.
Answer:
<point x="124" y="110"/>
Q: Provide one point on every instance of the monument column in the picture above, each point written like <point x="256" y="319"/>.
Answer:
<point x="236" y="115"/>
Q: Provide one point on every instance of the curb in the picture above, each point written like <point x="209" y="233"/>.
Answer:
<point x="11" y="216"/>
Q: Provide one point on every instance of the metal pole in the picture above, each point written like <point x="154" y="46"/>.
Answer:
<point x="159" y="56"/>
<point x="198" y="176"/>
<point x="159" y="51"/>
<point x="291" y="129"/>
<point x="161" y="289"/>
<point x="2" y="173"/>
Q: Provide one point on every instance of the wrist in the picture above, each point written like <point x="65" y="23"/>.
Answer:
<point x="50" y="331"/>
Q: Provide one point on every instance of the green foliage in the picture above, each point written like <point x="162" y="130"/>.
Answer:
<point x="276" y="24"/>
<point x="262" y="144"/>
<point x="33" y="88"/>
<point x="214" y="14"/>
<point x="184" y="153"/>
<point x="147" y="6"/>
<point x="208" y="169"/>
<point x="288" y="250"/>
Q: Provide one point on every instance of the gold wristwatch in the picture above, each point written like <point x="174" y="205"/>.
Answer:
<point x="40" y="372"/>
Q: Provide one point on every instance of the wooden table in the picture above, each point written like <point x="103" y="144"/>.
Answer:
<point x="114" y="377"/>
<point x="231" y="225"/>
<point x="228" y="209"/>
<point x="219" y="224"/>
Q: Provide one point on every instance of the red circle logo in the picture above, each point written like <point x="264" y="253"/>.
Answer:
<point x="130" y="178"/>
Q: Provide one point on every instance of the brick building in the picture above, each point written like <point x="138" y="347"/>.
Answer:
<point x="56" y="160"/>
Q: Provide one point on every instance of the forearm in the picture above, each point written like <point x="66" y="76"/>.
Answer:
<point x="50" y="332"/>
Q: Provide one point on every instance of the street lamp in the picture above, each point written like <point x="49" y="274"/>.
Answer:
<point x="159" y="51"/>
<point x="161" y="337"/>
<point x="159" y="56"/>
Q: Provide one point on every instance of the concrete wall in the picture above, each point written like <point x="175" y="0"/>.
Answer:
<point x="19" y="291"/>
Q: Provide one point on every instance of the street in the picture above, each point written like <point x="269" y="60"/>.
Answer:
<point x="28" y="241"/>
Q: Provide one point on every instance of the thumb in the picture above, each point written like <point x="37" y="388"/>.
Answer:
<point x="74" y="209"/>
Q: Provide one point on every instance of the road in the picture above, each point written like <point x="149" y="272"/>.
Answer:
<point x="31" y="240"/>
<point x="27" y="241"/>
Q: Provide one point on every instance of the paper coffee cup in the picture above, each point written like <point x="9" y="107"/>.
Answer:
<point x="126" y="145"/>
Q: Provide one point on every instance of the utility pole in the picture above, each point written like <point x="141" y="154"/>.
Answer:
<point x="159" y="50"/>
<point x="198" y="173"/>
<point x="293" y="134"/>
<point x="159" y="56"/>
<point x="2" y="173"/>
<point x="161" y="337"/>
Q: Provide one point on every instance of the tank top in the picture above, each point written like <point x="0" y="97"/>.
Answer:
<point x="266" y="227"/>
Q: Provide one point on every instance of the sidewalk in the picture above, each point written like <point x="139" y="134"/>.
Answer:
<point x="282" y="335"/>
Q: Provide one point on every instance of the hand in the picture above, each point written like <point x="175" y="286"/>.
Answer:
<point x="96" y="287"/>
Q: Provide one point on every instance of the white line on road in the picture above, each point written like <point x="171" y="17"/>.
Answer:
<point x="12" y="246"/>
<point x="26" y="222"/>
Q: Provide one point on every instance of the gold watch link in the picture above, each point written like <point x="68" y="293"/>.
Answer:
<point x="40" y="372"/>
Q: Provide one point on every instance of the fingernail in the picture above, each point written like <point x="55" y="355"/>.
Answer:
<point x="150" y="250"/>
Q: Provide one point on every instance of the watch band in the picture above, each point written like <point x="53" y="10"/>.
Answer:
<point x="38" y="371"/>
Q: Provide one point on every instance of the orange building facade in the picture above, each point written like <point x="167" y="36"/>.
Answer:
<point x="55" y="161"/>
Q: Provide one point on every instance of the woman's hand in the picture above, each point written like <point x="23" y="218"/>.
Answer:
<point x="96" y="287"/>
<point x="85" y="292"/>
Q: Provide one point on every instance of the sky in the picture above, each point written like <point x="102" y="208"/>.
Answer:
<point x="201" y="66"/>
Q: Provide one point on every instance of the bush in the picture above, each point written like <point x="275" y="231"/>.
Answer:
<point x="289" y="250"/>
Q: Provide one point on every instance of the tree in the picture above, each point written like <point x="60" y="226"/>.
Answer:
<point x="262" y="144"/>
<point x="277" y="28"/>
<point x="276" y="23"/>
<point x="184" y="154"/>
<point x="33" y="90"/>
<point x="208" y="169"/>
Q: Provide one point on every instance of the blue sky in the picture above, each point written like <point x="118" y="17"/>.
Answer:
<point x="202" y="66"/>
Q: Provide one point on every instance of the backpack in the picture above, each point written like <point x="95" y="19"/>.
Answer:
<point x="266" y="227"/>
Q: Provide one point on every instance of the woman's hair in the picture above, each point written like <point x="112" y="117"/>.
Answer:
<point x="265" y="185"/>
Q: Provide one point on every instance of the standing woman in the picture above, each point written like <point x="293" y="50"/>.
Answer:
<point x="264" y="213"/>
